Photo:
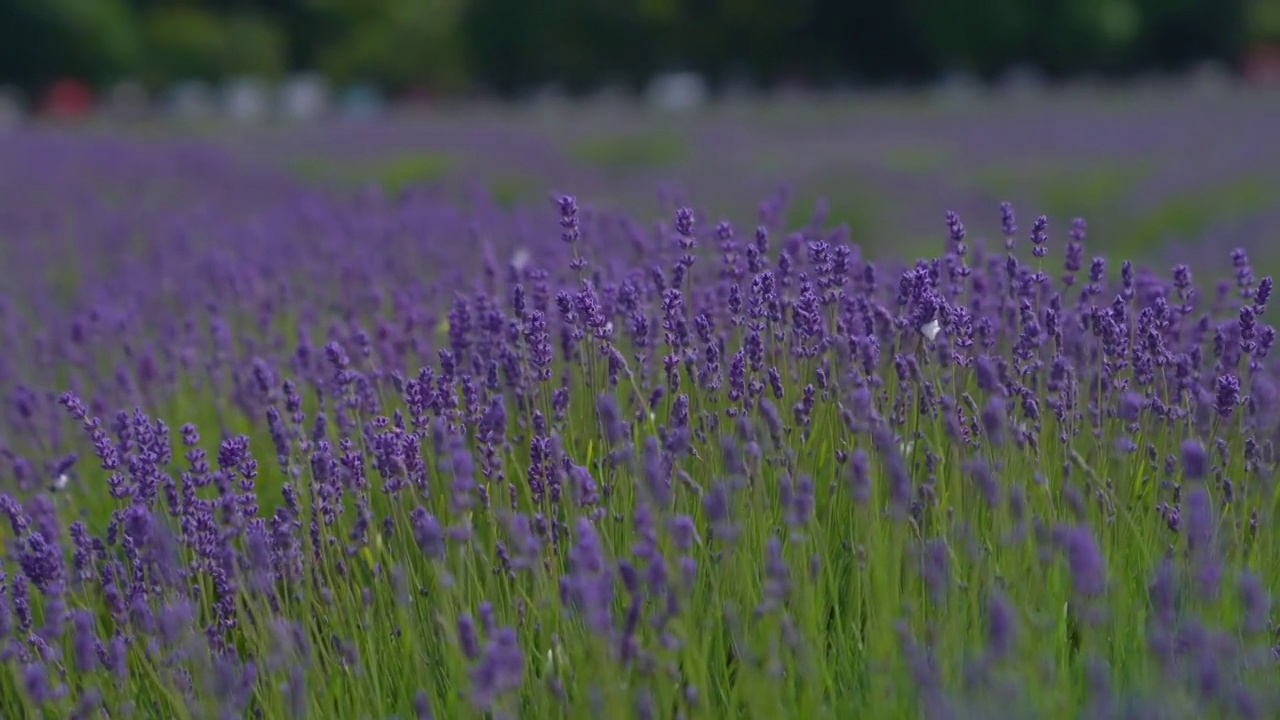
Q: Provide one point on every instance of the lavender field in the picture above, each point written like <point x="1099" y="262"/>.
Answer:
<point x="830" y="409"/>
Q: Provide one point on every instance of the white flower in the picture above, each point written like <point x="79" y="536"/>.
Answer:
<point x="930" y="330"/>
<point x="555" y="659"/>
<point x="520" y="259"/>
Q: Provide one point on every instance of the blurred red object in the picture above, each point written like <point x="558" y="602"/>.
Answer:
<point x="68" y="99"/>
<point x="1262" y="65"/>
<point x="418" y="96"/>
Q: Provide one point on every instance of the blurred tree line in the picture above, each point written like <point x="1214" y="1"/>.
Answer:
<point x="450" y="46"/>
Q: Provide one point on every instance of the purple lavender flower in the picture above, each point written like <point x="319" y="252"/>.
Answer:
<point x="42" y="562"/>
<point x="1262" y="295"/>
<point x="799" y="509"/>
<point x="1228" y="395"/>
<point x="859" y="476"/>
<point x="84" y="640"/>
<point x="1039" y="236"/>
<point x="1255" y="603"/>
<point x="956" y="233"/>
<point x="1088" y="568"/>
<point x="993" y="420"/>
<point x="493" y="465"/>
<point x="422" y="706"/>
<point x="935" y="568"/>
<point x="777" y="588"/>
<point x="1198" y="520"/>
<point x="684" y="227"/>
<point x="524" y="542"/>
<point x="427" y="533"/>
<point x="1001" y="626"/>
<point x="1195" y="461"/>
<point x="1008" y="224"/>
<point x="35" y="680"/>
<point x="684" y="532"/>
<point x="500" y="670"/>
<point x="569" y="218"/>
<point x="468" y="639"/>
<point x="985" y="481"/>
<point x="590" y="584"/>
<point x="1130" y="407"/>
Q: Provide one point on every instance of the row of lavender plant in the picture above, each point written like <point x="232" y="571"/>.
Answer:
<point x="696" y="473"/>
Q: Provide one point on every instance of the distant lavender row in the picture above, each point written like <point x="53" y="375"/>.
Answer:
<point x="893" y="160"/>
<point x="276" y="454"/>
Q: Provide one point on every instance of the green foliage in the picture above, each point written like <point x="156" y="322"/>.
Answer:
<point x="916" y="158"/>
<point x="93" y="39"/>
<point x="400" y="42"/>
<point x="852" y="573"/>
<point x="253" y="46"/>
<point x="1092" y="188"/>
<point x="182" y="42"/>
<point x="511" y="189"/>
<point x="404" y="171"/>
<point x="107" y="34"/>
<point x="1190" y="214"/>
<point x="449" y="45"/>
<point x="630" y="151"/>
<point x="392" y="174"/>
<point x="850" y="203"/>
<point x="1264" y="21"/>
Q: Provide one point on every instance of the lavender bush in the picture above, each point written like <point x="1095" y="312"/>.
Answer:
<point x="1143" y="162"/>
<point x="272" y="453"/>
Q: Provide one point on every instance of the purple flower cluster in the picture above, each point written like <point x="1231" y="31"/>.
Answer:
<point x="284" y="459"/>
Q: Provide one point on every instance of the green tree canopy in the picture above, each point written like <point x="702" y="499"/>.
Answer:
<point x="450" y="45"/>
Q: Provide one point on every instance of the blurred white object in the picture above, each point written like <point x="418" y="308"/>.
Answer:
<point x="245" y="99"/>
<point x="678" y="91"/>
<point x="611" y="96"/>
<point x="550" y="100"/>
<point x="128" y="100"/>
<point x="1211" y="78"/>
<point x="520" y="259"/>
<point x="191" y="100"/>
<point x="305" y="97"/>
<point x="362" y="101"/>
<point x="957" y="88"/>
<point x="1022" y="82"/>
<point x="13" y="110"/>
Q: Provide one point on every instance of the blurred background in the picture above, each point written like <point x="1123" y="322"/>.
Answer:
<point x="461" y="47"/>
<point x="1155" y="119"/>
